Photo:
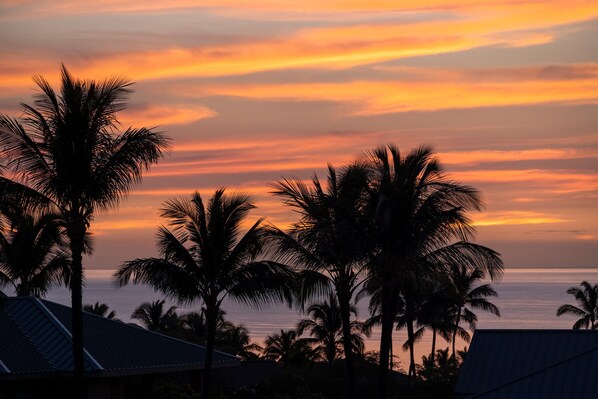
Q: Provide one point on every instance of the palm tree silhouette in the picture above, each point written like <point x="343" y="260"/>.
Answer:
<point x="435" y="315"/>
<point x="205" y="257"/>
<point x="325" y="328"/>
<point x="155" y="317"/>
<point x="287" y="348"/>
<point x="418" y="212"/>
<point x="587" y="309"/>
<point x="328" y="241"/>
<point x="235" y="339"/>
<point x="33" y="252"/>
<point x="407" y="307"/>
<point x="100" y="309"/>
<point x="466" y="297"/>
<point x="67" y="154"/>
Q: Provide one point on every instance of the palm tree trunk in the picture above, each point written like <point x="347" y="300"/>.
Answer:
<point x="433" y="354"/>
<point x="331" y="349"/>
<point x="410" y="340"/>
<point x="455" y="337"/>
<point x="392" y="355"/>
<point x="211" y="317"/>
<point x="344" y="304"/>
<point x="76" y="235"/>
<point x="388" y="316"/>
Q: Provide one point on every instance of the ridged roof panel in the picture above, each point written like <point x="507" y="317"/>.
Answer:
<point x="530" y="364"/>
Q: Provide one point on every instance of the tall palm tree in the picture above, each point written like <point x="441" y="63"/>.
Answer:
<point x="287" y="348"/>
<point x="100" y="309"/>
<point x="66" y="152"/>
<point x="155" y="317"/>
<point x="468" y="297"/>
<point x="205" y="257"/>
<point x="328" y="241"/>
<point x="587" y="311"/>
<point x="325" y="327"/>
<point x="417" y="212"/>
<point x="33" y="252"/>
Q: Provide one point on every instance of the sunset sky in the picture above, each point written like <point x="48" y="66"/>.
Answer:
<point x="250" y="91"/>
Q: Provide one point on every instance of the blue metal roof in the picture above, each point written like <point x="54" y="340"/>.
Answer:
<point x="530" y="364"/>
<point x="39" y="333"/>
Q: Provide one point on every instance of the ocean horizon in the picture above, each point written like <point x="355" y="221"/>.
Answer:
<point x="527" y="298"/>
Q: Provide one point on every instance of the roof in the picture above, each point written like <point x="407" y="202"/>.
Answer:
<point x="530" y="364"/>
<point x="39" y="333"/>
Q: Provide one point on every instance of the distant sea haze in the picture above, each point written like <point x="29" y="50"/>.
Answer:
<point x="528" y="298"/>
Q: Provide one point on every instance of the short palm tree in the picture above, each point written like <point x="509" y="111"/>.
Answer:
<point x="587" y="309"/>
<point x="235" y="339"/>
<point x="328" y="241"/>
<point x="155" y="317"/>
<point x="287" y="348"/>
<point x="195" y="327"/>
<point x="467" y="297"/>
<point x="435" y="316"/>
<point x="325" y="328"/>
<point x="100" y="309"/>
<point x="66" y="153"/>
<point x="33" y="252"/>
<point x="206" y="257"/>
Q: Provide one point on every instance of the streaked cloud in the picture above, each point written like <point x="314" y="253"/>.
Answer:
<point x="515" y="218"/>
<point x="433" y="90"/>
<point x="155" y="115"/>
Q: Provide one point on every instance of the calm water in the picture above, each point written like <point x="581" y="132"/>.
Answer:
<point x="528" y="298"/>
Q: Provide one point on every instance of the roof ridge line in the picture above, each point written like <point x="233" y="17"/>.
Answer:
<point x="62" y="328"/>
<point x="135" y="325"/>
<point x="559" y="363"/>
<point x="3" y="366"/>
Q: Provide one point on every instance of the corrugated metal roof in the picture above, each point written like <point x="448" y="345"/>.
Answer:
<point x="530" y="364"/>
<point x="41" y="333"/>
<point x="18" y="353"/>
<point x="46" y="333"/>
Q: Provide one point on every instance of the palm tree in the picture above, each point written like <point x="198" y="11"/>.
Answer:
<point x="287" y="348"/>
<point x="407" y="307"/>
<point x="587" y="311"/>
<point x="435" y="316"/>
<point x="156" y="318"/>
<point x="466" y="297"/>
<point x="419" y="222"/>
<point x="205" y="257"/>
<point x="67" y="153"/>
<point x="33" y="254"/>
<point x="328" y="241"/>
<point x="235" y="339"/>
<point x="325" y="327"/>
<point x="100" y="309"/>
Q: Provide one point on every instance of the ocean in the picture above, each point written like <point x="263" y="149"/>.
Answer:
<point x="528" y="298"/>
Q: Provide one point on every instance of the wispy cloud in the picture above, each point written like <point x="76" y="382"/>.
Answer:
<point x="439" y="90"/>
<point x="515" y="218"/>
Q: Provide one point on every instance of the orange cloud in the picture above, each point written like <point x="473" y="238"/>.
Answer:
<point x="155" y="115"/>
<point x="514" y="218"/>
<point x="554" y="181"/>
<point x="442" y="92"/>
<point x="486" y="156"/>
<point x="48" y="7"/>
